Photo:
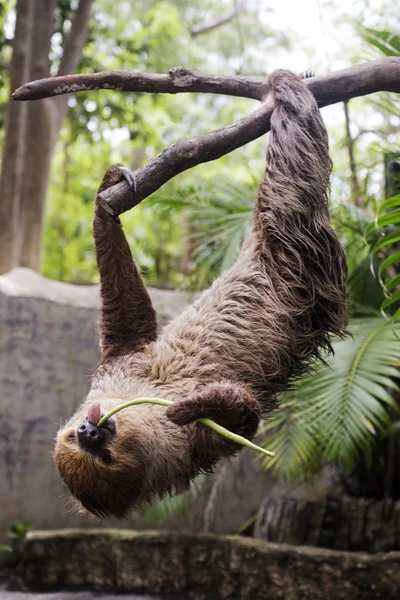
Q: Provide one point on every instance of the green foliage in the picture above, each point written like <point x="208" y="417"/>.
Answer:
<point x="68" y="243"/>
<point x="341" y="411"/>
<point x="162" y="511"/>
<point x="387" y="249"/>
<point x="365" y="292"/>
<point x="387" y="42"/>
<point x="218" y="217"/>
<point x="16" y="534"/>
<point x="5" y="58"/>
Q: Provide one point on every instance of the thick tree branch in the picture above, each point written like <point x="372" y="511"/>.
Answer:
<point x="376" y="76"/>
<point x="179" y="79"/>
<point x="186" y="154"/>
<point x="379" y="75"/>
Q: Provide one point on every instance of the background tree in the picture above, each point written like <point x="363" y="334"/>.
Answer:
<point x="32" y="129"/>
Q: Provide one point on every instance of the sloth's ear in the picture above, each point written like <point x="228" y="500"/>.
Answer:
<point x="229" y="404"/>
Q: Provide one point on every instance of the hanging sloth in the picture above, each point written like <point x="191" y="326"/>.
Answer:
<point x="246" y="339"/>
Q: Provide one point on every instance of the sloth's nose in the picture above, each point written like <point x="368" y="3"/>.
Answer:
<point x="91" y="437"/>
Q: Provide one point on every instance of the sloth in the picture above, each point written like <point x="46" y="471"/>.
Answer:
<point x="228" y="356"/>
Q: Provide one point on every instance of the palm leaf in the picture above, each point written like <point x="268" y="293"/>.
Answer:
<point x="340" y="410"/>
<point x="220" y="214"/>
<point x="385" y="41"/>
<point x="385" y="225"/>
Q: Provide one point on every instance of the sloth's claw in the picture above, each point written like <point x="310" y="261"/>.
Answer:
<point x="307" y="74"/>
<point x="129" y="177"/>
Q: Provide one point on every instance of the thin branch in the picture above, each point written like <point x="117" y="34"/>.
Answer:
<point x="199" y="29"/>
<point x="376" y="76"/>
<point x="356" y="193"/>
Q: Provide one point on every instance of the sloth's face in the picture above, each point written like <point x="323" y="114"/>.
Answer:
<point x="103" y="467"/>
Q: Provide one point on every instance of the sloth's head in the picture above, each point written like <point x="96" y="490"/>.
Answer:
<point x="104" y="467"/>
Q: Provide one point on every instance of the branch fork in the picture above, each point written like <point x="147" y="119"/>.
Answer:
<point x="339" y="86"/>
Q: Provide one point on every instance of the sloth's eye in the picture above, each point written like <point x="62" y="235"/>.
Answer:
<point x="71" y="436"/>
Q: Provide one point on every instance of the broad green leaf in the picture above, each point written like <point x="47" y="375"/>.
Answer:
<point x="338" y="411"/>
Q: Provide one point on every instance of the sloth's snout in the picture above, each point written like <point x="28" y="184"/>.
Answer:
<point x="91" y="438"/>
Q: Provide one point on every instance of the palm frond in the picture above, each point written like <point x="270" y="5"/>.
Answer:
<point x="386" y="42"/>
<point x="387" y="248"/>
<point x="339" y="411"/>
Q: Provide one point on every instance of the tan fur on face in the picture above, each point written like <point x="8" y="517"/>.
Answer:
<point x="250" y="336"/>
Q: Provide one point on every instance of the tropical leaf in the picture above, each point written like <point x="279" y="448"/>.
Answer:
<point x="220" y="216"/>
<point x="386" y="42"/>
<point x="387" y="249"/>
<point x="341" y="410"/>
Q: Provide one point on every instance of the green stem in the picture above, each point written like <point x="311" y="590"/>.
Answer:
<point x="209" y="422"/>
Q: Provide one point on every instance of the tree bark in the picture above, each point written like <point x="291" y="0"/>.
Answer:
<point x="13" y="155"/>
<point x="342" y="523"/>
<point x="374" y="76"/>
<point x="38" y="143"/>
<point x="32" y="132"/>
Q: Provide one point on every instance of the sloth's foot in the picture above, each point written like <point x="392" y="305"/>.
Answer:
<point x="228" y="405"/>
<point x="112" y="176"/>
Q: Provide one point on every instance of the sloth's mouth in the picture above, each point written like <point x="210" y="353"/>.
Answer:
<point x="109" y="425"/>
<point x="94" y="439"/>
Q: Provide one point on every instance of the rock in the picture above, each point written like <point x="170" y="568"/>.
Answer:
<point x="202" y="567"/>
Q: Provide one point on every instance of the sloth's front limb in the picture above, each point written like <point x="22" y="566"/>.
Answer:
<point x="128" y="319"/>
<point x="228" y="404"/>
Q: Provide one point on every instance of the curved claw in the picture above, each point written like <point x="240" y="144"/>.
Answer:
<point x="129" y="177"/>
<point x="307" y="74"/>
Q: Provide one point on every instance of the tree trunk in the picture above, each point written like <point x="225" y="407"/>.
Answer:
<point x="13" y="155"/>
<point x="32" y="130"/>
<point x="351" y="524"/>
<point x="38" y="146"/>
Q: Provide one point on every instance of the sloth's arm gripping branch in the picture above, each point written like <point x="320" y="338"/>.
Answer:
<point x="128" y="319"/>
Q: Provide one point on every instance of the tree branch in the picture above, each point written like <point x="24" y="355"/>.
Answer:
<point x="360" y="80"/>
<point x="179" y="79"/>
<point x="376" y="76"/>
<point x="186" y="154"/>
<point x="199" y="29"/>
<point x="355" y="186"/>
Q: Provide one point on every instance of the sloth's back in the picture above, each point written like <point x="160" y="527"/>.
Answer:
<point x="234" y="331"/>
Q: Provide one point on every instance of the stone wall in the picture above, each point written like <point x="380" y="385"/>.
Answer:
<point x="201" y="567"/>
<point x="48" y="351"/>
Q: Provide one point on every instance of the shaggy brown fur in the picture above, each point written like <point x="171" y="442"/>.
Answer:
<point x="248" y="337"/>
